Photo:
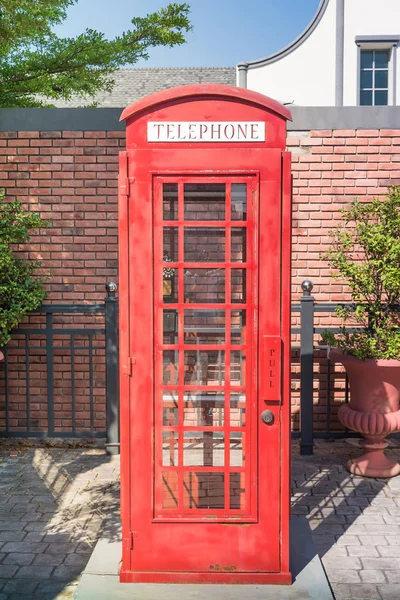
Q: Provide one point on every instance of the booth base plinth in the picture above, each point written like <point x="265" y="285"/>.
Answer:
<point x="206" y="578"/>
<point x="100" y="579"/>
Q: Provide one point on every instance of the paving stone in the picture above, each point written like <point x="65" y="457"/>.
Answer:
<point x="393" y="576"/>
<point x="389" y="591"/>
<point x="389" y="551"/>
<point x="12" y="536"/>
<point x="392" y="540"/>
<point x="381" y="563"/>
<point x="34" y="571"/>
<point x="18" y="558"/>
<point x="67" y="572"/>
<point x="20" y="586"/>
<point x="343" y="576"/>
<point x="356" y="591"/>
<point x="372" y="540"/>
<point x="372" y="576"/>
<point x="76" y="560"/>
<point x="33" y="536"/>
<point x="7" y="571"/>
<point x="348" y="540"/>
<point x="50" y="560"/>
<point x="351" y="562"/>
<point x="24" y="547"/>
<point x="363" y="551"/>
<point x="61" y="548"/>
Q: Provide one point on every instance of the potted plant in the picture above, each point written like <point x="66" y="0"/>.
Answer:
<point x="365" y="254"/>
<point x="20" y="290"/>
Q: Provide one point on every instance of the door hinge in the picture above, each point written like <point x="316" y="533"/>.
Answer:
<point x="128" y="365"/>
<point x="131" y="541"/>
<point x="125" y="185"/>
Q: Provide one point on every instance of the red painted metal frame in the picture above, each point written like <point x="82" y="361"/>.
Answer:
<point x="181" y="548"/>
<point x="179" y="514"/>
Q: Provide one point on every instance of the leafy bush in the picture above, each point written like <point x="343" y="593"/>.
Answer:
<point x="365" y="253"/>
<point x="20" y="290"/>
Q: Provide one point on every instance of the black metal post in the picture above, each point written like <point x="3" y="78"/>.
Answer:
<point x="112" y="396"/>
<point x="307" y="367"/>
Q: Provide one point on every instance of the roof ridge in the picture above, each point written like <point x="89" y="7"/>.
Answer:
<point x="172" y="68"/>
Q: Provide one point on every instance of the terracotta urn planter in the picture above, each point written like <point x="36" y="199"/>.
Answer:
<point x="373" y="411"/>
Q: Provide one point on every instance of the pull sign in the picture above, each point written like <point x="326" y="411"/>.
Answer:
<point x="206" y="131"/>
<point x="270" y="369"/>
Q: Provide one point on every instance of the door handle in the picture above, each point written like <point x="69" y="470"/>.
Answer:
<point x="267" y="417"/>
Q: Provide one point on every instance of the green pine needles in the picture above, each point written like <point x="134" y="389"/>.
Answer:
<point x="38" y="67"/>
<point x="365" y="254"/>
<point x="20" y="290"/>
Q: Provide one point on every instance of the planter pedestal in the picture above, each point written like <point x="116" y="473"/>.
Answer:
<point x="373" y="411"/>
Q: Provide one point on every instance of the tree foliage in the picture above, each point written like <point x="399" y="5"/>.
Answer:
<point x="20" y="290"/>
<point x="365" y="253"/>
<point x="37" y="66"/>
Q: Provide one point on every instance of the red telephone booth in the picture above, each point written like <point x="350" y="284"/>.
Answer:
<point x="205" y="220"/>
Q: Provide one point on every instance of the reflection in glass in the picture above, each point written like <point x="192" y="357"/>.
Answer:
<point x="170" y="244"/>
<point x="203" y="408"/>
<point x="170" y="201"/>
<point x="204" y="244"/>
<point x="239" y="202"/>
<point x="169" y="489"/>
<point x="238" y="409"/>
<point x="204" y="367"/>
<point x="204" y="326"/>
<point x="238" y="285"/>
<point x="237" y="449"/>
<point x="170" y="449"/>
<point x="238" y="327"/>
<point x="204" y="286"/>
<point x="170" y="367"/>
<point x="237" y="492"/>
<point x="170" y="326"/>
<point x="204" y="202"/>
<point x="203" y="449"/>
<point x="238" y="368"/>
<point x="203" y="490"/>
<point x="170" y="408"/>
<point x="238" y="244"/>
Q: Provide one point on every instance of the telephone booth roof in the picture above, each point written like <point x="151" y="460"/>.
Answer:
<point x="193" y="92"/>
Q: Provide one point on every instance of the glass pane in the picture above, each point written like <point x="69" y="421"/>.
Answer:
<point x="169" y="489"/>
<point x="238" y="327"/>
<point x="170" y="327"/>
<point x="237" y="492"/>
<point x="238" y="409"/>
<point x="366" y="59"/>
<point x="203" y="409"/>
<point x="203" y="490"/>
<point x="239" y="202"/>
<point x="204" y="202"/>
<point x="170" y="367"/>
<point x="204" y="367"/>
<point x="170" y="201"/>
<point x="170" y="449"/>
<point x="204" y="326"/>
<point x="170" y="244"/>
<point x="365" y="98"/>
<point x="366" y="79"/>
<point x="381" y="59"/>
<point x="204" y="286"/>
<point x="381" y="98"/>
<point x="203" y="449"/>
<point x="238" y="368"/>
<point x="238" y="286"/>
<point x="381" y="79"/>
<point x="238" y="244"/>
<point x="237" y="449"/>
<point x="204" y="244"/>
<point x="170" y="408"/>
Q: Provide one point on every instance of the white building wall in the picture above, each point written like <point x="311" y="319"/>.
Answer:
<point x="306" y="76"/>
<point x="367" y="17"/>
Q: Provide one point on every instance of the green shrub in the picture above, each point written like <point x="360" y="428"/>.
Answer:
<point x="365" y="254"/>
<point x="20" y="290"/>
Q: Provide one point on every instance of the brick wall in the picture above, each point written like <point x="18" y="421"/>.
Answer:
<point x="70" y="177"/>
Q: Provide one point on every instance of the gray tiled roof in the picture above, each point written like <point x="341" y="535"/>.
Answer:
<point x="132" y="84"/>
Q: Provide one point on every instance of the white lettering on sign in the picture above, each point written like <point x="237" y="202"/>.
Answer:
<point x="199" y="131"/>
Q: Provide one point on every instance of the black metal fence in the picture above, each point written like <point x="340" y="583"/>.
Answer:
<point x="59" y="377"/>
<point x="60" y="374"/>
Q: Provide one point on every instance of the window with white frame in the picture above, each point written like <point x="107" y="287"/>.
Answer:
<point x="374" y="77"/>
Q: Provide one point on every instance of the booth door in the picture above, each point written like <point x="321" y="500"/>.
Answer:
<point x="216" y="464"/>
